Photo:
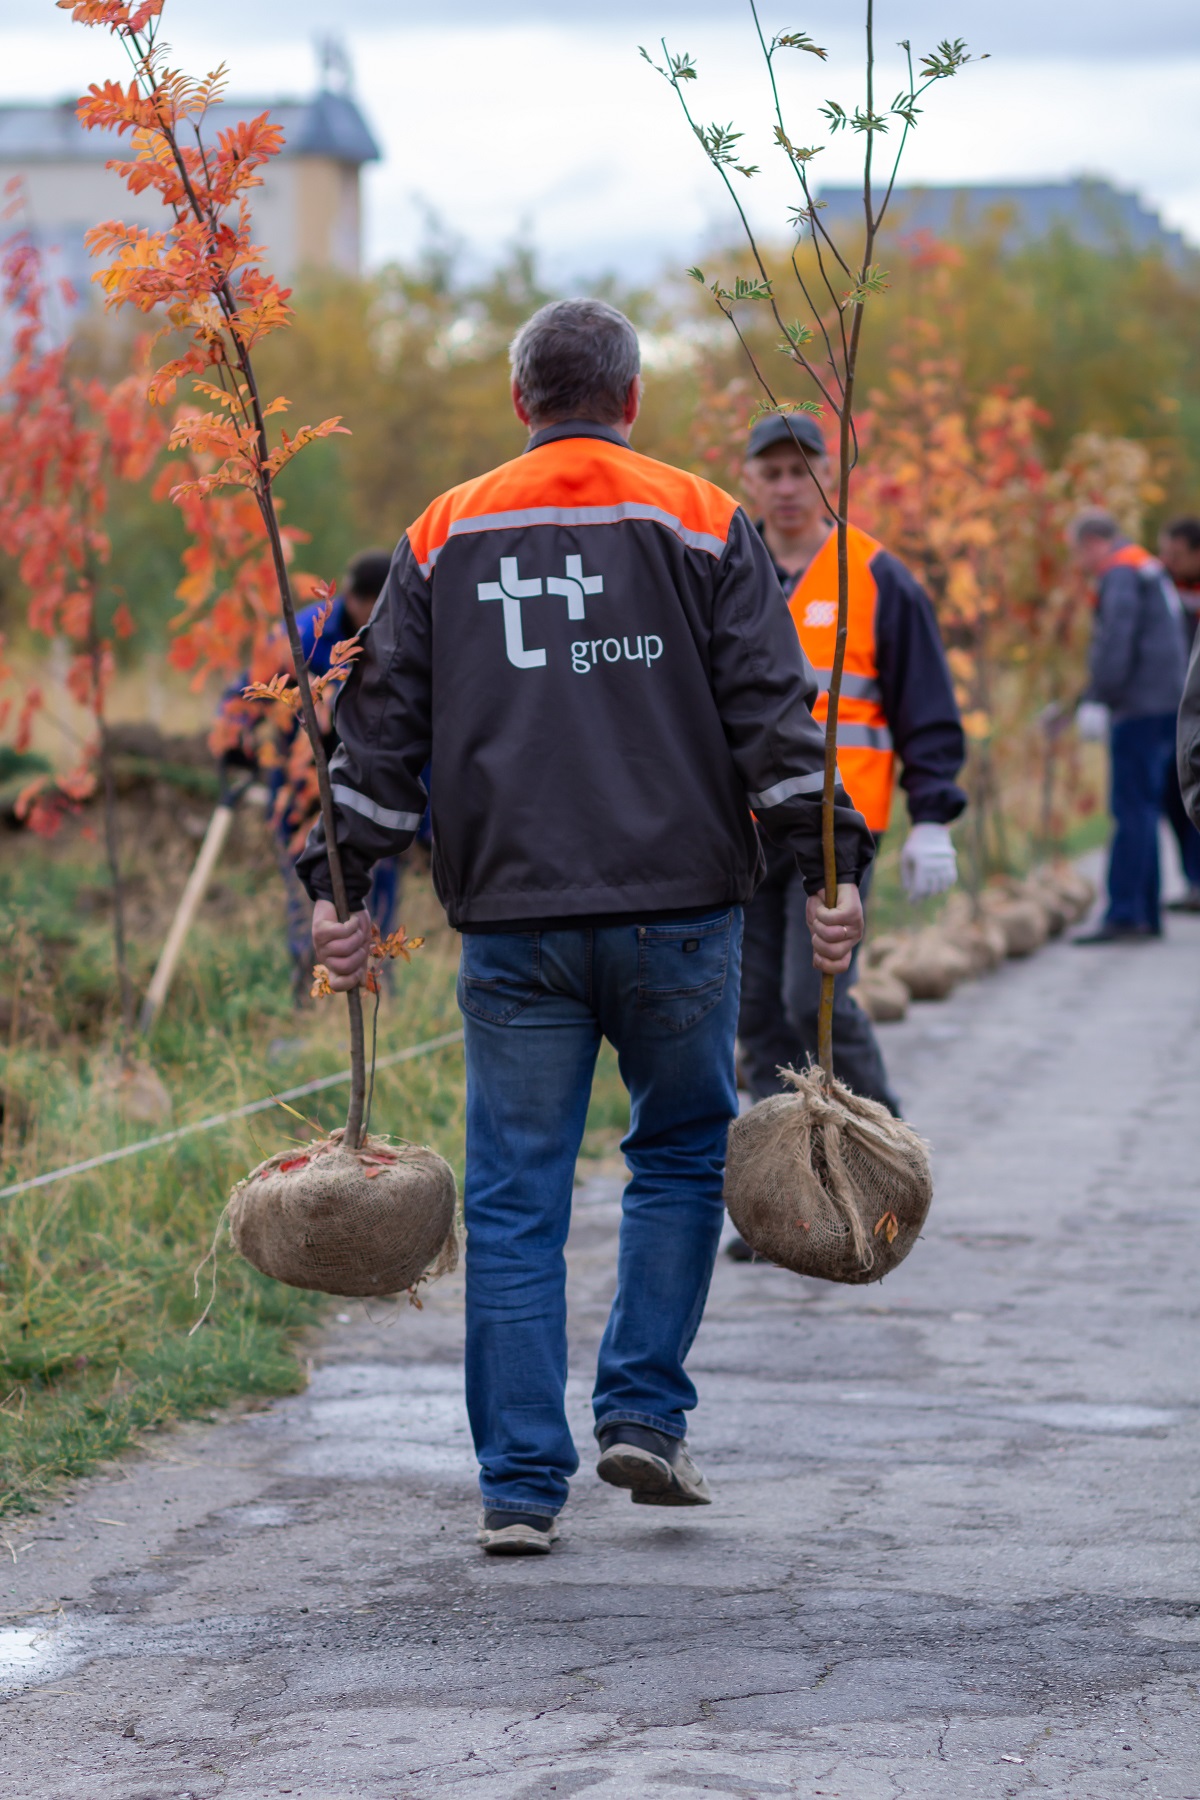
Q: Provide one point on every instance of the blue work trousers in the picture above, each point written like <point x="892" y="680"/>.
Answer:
<point x="1141" y="752"/>
<point x="535" y="1006"/>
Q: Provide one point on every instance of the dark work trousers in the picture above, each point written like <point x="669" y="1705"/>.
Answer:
<point x="781" y="994"/>
<point x="1141" y="751"/>
<point x="1186" y="834"/>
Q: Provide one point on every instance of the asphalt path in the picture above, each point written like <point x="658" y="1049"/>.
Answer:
<point x="953" y="1549"/>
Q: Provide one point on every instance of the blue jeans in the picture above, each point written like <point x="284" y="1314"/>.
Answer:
<point x="535" y="1006"/>
<point x="1141" y="752"/>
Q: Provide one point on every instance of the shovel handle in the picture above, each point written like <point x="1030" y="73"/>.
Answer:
<point x="181" y="924"/>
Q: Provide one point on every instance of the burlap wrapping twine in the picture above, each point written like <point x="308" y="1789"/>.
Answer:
<point x="825" y="1183"/>
<point x="371" y="1221"/>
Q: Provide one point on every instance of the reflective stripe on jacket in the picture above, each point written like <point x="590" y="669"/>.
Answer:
<point x="910" y="682"/>
<point x="594" y="650"/>
<point x="866" y="757"/>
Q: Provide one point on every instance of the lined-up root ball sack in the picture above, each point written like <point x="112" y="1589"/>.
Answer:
<point x="1023" y="922"/>
<point x="882" y="997"/>
<point x="825" y="1183"/>
<point x="929" y="965"/>
<point x="359" y="1222"/>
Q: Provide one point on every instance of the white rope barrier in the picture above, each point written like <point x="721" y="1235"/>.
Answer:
<point x="225" y="1118"/>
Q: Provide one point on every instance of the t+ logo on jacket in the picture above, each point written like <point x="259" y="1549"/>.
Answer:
<point x="573" y="587"/>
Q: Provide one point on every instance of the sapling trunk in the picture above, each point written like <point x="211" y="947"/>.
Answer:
<point x="832" y="364"/>
<point x="358" y="1059"/>
<point x="112" y="836"/>
<point x="228" y="352"/>
<point x="845" y="418"/>
<point x="266" y="503"/>
<point x="112" y="851"/>
<point x="828" y="834"/>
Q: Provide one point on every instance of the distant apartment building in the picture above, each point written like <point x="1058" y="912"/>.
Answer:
<point x="1090" y="210"/>
<point x="307" y="214"/>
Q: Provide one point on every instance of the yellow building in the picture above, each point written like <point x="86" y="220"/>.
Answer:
<point x="308" y="212"/>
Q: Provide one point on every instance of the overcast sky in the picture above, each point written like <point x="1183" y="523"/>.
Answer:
<point x="538" y="117"/>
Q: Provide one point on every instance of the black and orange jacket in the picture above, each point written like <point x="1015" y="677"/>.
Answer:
<point x="1137" y="658"/>
<point x="595" y="652"/>
<point x="897" y="697"/>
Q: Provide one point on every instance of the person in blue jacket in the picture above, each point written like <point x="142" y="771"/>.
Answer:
<point x="1136" y="666"/>
<point x="289" y="807"/>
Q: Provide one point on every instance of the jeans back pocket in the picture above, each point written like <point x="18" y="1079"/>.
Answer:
<point x="682" y="968"/>
<point x="499" y="973"/>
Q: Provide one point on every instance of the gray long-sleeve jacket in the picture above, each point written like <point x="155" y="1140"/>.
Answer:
<point x="1138" y="653"/>
<point x="595" y="652"/>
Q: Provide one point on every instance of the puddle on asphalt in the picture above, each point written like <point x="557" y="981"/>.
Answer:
<point x="372" y="1419"/>
<point x="1171" y="1629"/>
<point x="256" y="1518"/>
<point x="1060" y="1415"/>
<point x="29" y="1653"/>
<point x="1081" y="1416"/>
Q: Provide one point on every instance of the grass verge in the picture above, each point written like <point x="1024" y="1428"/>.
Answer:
<point x="96" y="1273"/>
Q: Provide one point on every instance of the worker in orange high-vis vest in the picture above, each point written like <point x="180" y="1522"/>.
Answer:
<point x="1137" y="661"/>
<point x="897" y="707"/>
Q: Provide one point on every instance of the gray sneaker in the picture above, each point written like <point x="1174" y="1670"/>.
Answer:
<point x="655" y="1468"/>
<point x="504" y="1533"/>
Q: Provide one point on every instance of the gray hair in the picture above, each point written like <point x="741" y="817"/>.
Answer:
<point x="1094" y="522"/>
<point x="575" y="359"/>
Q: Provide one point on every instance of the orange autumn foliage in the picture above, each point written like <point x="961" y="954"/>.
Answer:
<point x="201" y="273"/>
<point x="62" y="442"/>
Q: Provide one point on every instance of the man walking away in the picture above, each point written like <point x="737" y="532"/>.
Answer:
<point x="1179" y="552"/>
<point x="594" y="650"/>
<point x="897" y="701"/>
<point x="1136" y="666"/>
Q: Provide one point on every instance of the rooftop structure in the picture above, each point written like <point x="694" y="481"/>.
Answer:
<point x="307" y="213"/>
<point x="1091" y="210"/>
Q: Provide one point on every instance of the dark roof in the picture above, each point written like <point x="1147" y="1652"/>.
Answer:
<point x="1092" y="210"/>
<point x="327" y="125"/>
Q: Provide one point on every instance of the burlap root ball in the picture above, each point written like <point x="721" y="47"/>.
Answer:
<point x="882" y="997"/>
<point x="929" y="964"/>
<point x="826" y="1183"/>
<point x="1023" y="921"/>
<point x="979" y="938"/>
<point x="359" y="1222"/>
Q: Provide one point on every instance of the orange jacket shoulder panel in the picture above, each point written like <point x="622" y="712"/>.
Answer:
<point x="577" y="476"/>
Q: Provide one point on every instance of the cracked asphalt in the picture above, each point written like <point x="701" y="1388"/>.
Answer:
<point x="953" y="1550"/>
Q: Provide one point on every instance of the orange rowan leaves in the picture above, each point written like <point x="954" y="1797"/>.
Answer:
<point x="202" y="272"/>
<point x="322" y="618"/>
<point x="397" y="943"/>
<point x="279" y="690"/>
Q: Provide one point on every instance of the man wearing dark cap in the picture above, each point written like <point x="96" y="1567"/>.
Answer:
<point x="897" y="701"/>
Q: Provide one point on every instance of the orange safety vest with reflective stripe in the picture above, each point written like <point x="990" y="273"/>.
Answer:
<point x="866" y="759"/>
